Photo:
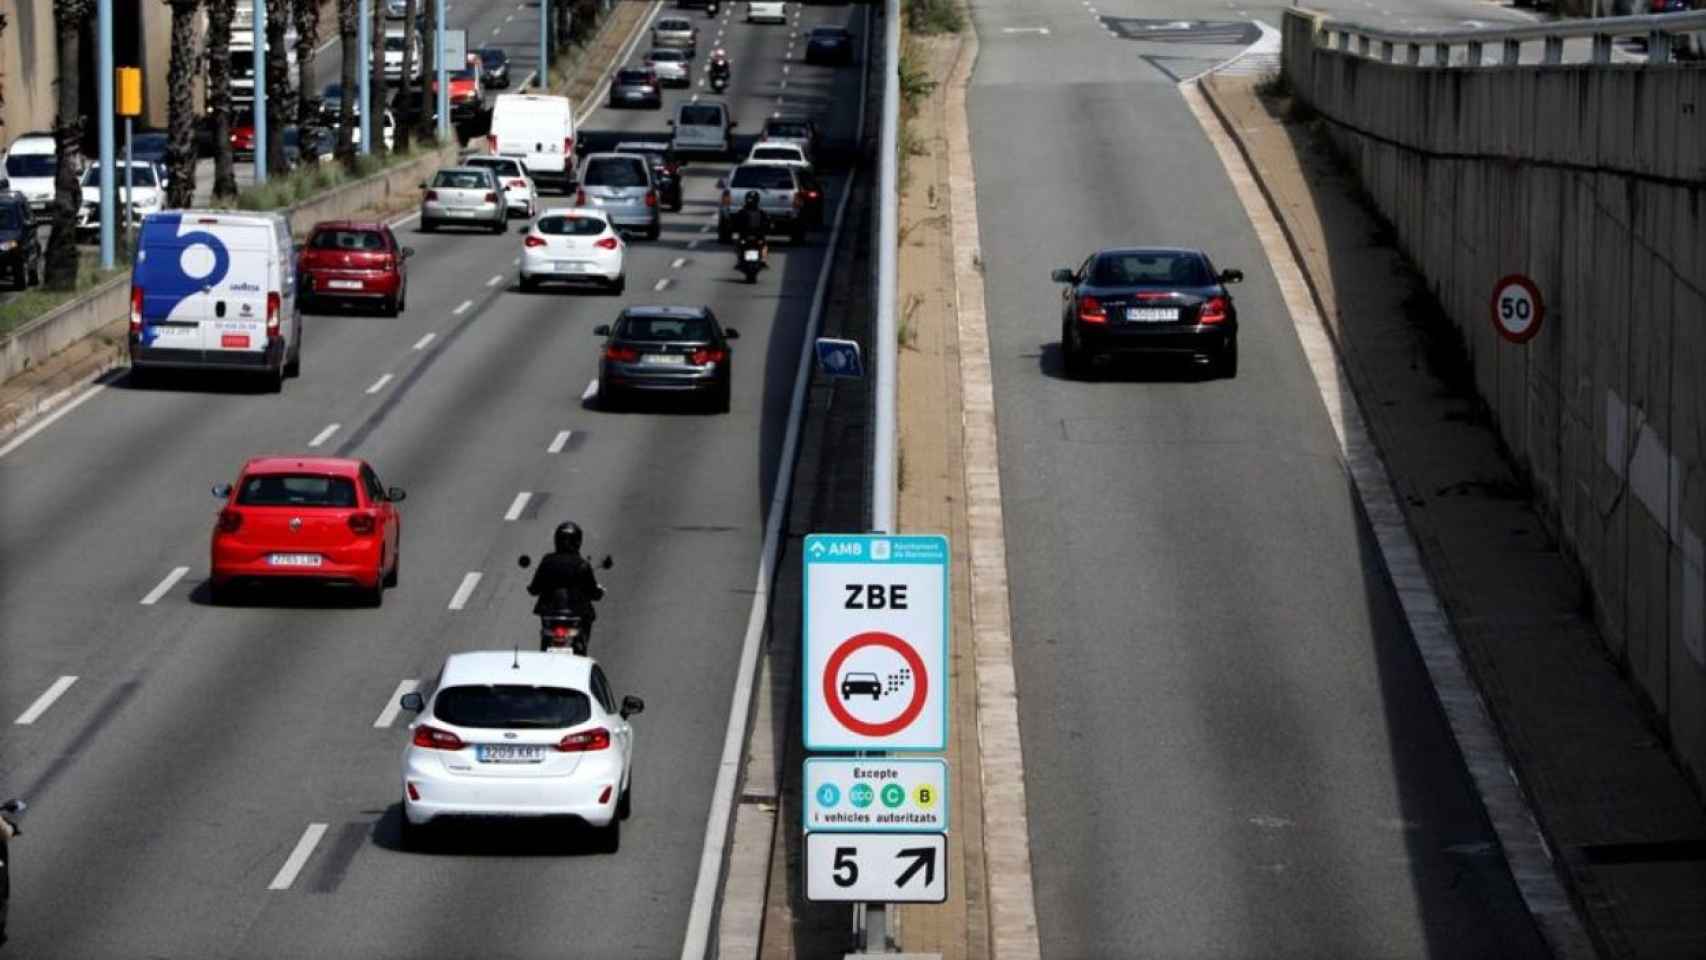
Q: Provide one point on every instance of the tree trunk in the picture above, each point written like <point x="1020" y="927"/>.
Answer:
<point x="410" y="95"/>
<point x="180" y="106"/>
<point x="2" y="76"/>
<point x="69" y="19"/>
<point x="280" y="104"/>
<point x="346" y="81"/>
<point x="376" y="63"/>
<point x="429" y="70"/>
<point x="308" y="125"/>
<point x="219" y="16"/>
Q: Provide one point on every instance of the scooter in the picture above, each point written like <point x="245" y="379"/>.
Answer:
<point x="561" y="628"/>
<point x="752" y="258"/>
<point x="8" y="829"/>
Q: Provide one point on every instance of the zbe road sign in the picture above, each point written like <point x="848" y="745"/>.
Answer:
<point x="880" y="794"/>
<point x="876" y="642"/>
<point x="877" y="867"/>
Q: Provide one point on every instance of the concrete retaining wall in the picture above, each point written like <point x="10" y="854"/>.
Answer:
<point x="1591" y="180"/>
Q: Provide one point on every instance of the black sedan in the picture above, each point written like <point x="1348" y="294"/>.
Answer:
<point x="1159" y="300"/>
<point x="677" y="350"/>
<point x="636" y="88"/>
<point x="666" y="168"/>
<point x="829" y="45"/>
<point x="494" y="67"/>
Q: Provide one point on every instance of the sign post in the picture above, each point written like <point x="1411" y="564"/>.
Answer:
<point x="1517" y="308"/>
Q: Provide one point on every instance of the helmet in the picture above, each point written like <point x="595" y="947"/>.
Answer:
<point x="751" y="201"/>
<point x="719" y="54"/>
<point x="568" y="537"/>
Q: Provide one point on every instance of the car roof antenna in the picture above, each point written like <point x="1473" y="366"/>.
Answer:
<point x="515" y="664"/>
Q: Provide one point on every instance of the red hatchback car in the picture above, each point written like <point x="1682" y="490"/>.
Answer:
<point x="354" y="262"/>
<point x="307" y="519"/>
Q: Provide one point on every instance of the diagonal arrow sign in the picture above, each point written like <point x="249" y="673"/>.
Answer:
<point x="923" y="858"/>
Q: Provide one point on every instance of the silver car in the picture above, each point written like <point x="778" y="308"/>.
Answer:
<point x="678" y="33"/>
<point x="621" y="185"/>
<point x="465" y="196"/>
<point x="702" y="127"/>
<point x="671" y="66"/>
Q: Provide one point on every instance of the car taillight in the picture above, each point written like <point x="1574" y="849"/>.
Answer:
<point x="435" y="739"/>
<point x="559" y="631"/>
<point x="533" y="241"/>
<point x="594" y="739"/>
<point x="273" y="307"/>
<point x="361" y="523"/>
<point x="1213" y="311"/>
<point x="1090" y="311"/>
<point x="811" y="194"/>
<point x="491" y="143"/>
<point x="622" y="354"/>
<point x="580" y="198"/>
<point x="518" y="184"/>
<point x="799" y="200"/>
<point x="706" y="355"/>
<point x="568" y="145"/>
<point x="651" y="198"/>
<point x="607" y="243"/>
<point x="432" y="195"/>
<point x="230" y="521"/>
<point x="491" y="197"/>
<point x="135" y="309"/>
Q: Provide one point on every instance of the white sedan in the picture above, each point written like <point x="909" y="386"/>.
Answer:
<point x="147" y="195"/>
<point x="574" y="245"/>
<point x="786" y="153"/>
<point x="519" y="189"/>
<point x="546" y="738"/>
<point x="768" y="11"/>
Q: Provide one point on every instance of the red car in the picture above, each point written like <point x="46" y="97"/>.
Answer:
<point x="242" y="135"/>
<point x="318" y="520"/>
<point x="354" y="262"/>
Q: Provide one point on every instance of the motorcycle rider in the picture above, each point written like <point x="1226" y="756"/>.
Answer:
<point x="564" y="581"/>
<point x="720" y="64"/>
<point x="750" y="225"/>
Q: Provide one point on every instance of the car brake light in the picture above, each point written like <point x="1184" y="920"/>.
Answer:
<point x="1090" y="311"/>
<point x="568" y="145"/>
<point x="361" y="523"/>
<point x="799" y="200"/>
<point x="491" y="143"/>
<point x="135" y="309"/>
<point x="607" y="243"/>
<point x="435" y="739"/>
<point x="651" y="198"/>
<point x="622" y="354"/>
<point x="580" y="198"/>
<point x="273" y="307"/>
<point x="533" y="241"/>
<point x="518" y="184"/>
<point x="230" y="521"/>
<point x="706" y="355"/>
<point x="432" y="195"/>
<point x="597" y="738"/>
<point x="1213" y="311"/>
<point x="491" y="197"/>
<point x="559" y="631"/>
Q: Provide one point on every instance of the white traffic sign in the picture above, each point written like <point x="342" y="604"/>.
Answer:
<point x="1517" y="308"/>
<point x="877" y="867"/>
<point x="876" y="642"/>
<point x="886" y="794"/>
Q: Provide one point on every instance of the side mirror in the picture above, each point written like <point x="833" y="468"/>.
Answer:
<point x="1062" y="275"/>
<point x="524" y="561"/>
<point x="1231" y="276"/>
<point x="395" y="494"/>
<point x="606" y="563"/>
<point x="408" y="252"/>
<point x="222" y="490"/>
<point x="413" y="702"/>
<point x="602" y="330"/>
<point x="731" y="333"/>
<point x="632" y="705"/>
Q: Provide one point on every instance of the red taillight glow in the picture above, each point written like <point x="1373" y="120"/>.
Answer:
<point x="533" y="241"/>
<point x="414" y="794"/>
<point x="230" y="521"/>
<point x="705" y="355"/>
<point x="651" y="198"/>
<point x="491" y="197"/>
<point x="607" y="243"/>
<point x="560" y="631"/>
<point x="274" y="305"/>
<point x="597" y="738"/>
<point x="622" y="354"/>
<point x="361" y="524"/>
<point x="432" y="195"/>
<point x="518" y="184"/>
<point x="491" y="143"/>
<point x="433" y="738"/>
<point x="580" y="198"/>
<point x="135" y="309"/>
<point x="1213" y="311"/>
<point x="568" y="145"/>
<point x="1090" y="311"/>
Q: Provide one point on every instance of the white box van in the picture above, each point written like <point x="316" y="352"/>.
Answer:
<point x="31" y="165"/>
<point x="540" y="132"/>
<point x="215" y="289"/>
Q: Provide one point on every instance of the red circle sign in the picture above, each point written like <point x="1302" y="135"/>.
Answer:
<point x="1517" y="308"/>
<point x="920" y="686"/>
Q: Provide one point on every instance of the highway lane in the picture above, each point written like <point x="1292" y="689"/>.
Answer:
<point x="174" y="778"/>
<point x="1231" y="746"/>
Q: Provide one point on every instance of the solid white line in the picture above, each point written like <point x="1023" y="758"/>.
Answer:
<point x="591" y="390"/>
<point x="421" y="344"/>
<point x="661" y="284"/>
<point x="50" y="419"/>
<point x="298" y="857"/>
<point x="516" y="506"/>
<point x="470" y="580"/>
<point x="462" y="308"/>
<point x="560" y="441"/>
<point x="495" y="281"/>
<point x="165" y="586"/>
<point x="388" y="715"/>
<point x="324" y="435"/>
<point x="696" y="944"/>
<point x="379" y="385"/>
<point x="44" y="701"/>
<point x="678" y="263"/>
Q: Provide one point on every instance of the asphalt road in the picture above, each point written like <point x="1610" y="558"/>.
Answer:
<point x="172" y="780"/>
<point x="1231" y="746"/>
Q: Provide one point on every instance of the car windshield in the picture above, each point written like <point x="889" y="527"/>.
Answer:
<point x="140" y="176"/>
<point x="461" y="180"/>
<point x="296" y="490"/>
<point x="664" y="328"/>
<point x="31" y="165"/>
<point x="675" y="26"/>
<point x="571" y="226"/>
<point x="775" y="153"/>
<point x="666" y="56"/>
<point x="347" y="240"/>
<point x="634" y="76"/>
<point x="394" y="44"/>
<point x="699" y="116"/>
<point x="1137" y="268"/>
<point x="491" y="706"/>
<point x="762" y="178"/>
<point x="462" y="74"/>
<point x="615" y="172"/>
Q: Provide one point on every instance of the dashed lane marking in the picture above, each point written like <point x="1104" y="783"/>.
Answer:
<point x="379" y="385"/>
<point x="44" y="701"/>
<point x="516" y="506"/>
<point x="560" y="441"/>
<point x="298" y="857"/>
<point x="421" y="344"/>
<point x="325" y="434"/>
<point x="464" y="590"/>
<point x="165" y="586"/>
<point x="394" y="705"/>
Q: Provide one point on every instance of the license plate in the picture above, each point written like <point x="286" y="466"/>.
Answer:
<point x="460" y="213"/>
<point x="751" y="256"/>
<point x="1151" y="314"/>
<point x="234" y="340"/>
<point x="667" y="359"/>
<point x="295" y="559"/>
<point x="343" y="284"/>
<point x="509" y="753"/>
<point x="571" y="267"/>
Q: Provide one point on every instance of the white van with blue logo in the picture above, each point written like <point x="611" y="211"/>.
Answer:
<point x="215" y="289"/>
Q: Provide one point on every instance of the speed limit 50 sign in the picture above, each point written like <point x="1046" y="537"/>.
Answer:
<point x="1517" y="308"/>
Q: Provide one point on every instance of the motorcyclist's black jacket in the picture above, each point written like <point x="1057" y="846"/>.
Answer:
<point x="750" y="223"/>
<point x="565" y="582"/>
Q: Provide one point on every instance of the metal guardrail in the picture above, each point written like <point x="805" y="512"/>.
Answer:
<point x="1662" y="33"/>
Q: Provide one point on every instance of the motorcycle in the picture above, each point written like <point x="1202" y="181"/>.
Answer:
<point x="8" y="829"/>
<point x="719" y="82"/>
<point x="751" y="258"/>
<point x="564" y="628"/>
<point x="711" y="8"/>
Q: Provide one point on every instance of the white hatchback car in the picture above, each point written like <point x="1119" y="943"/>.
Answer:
<point x="768" y="11"/>
<point x="546" y="738"/>
<point x="787" y="153"/>
<point x="578" y="244"/>
<point x="519" y="189"/>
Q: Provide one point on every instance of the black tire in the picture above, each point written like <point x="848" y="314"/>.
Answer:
<point x="427" y="226"/>
<point x="501" y="225"/>
<point x="274" y="379"/>
<point x="610" y="838"/>
<point x="141" y="378"/>
<point x="1077" y="363"/>
<point x="723" y="235"/>
<point x="722" y="397"/>
<point x="293" y="366"/>
<point x="528" y="284"/>
<point x="654" y="231"/>
<point x="1226" y="361"/>
<point x="391" y="575"/>
<point x="217" y="595"/>
<point x="609" y="398"/>
<point x="390" y="307"/>
<point x="374" y="596"/>
<point x="625" y="806"/>
<point x="413" y="836"/>
<point x="617" y="288"/>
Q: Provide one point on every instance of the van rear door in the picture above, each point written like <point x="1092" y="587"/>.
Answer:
<point x="176" y="266"/>
<point x="236" y="313"/>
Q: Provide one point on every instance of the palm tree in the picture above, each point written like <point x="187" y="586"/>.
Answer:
<point x="69" y="17"/>
<point x="280" y="105"/>
<point x="409" y="95"/>
<point x="2" y="85"/>
<point x="180" y="105"/>
<point x="307" y="13"/>
<point x="376" y="64"/>
<point x="220" y="13"/>
<point x="346" y="106"/>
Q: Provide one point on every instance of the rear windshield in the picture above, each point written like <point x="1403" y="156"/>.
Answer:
<point x="674" y="25"/>
<point x="673" y="56"/>
<point x="762" y="178"/>
<point x="775" y="153"/>
<point x="634" y="76"/>
<point x="139" y="177"/>
<point x="347" y="240"/>
<point x="692" y="116"/>
<point x="493" y="58"/>
<point x="615" y="172"/>
<point x="394" y="44"/>
<point x="571" y="226"/>
<point x="467" y="74"/>
<point x="1139" y="268"/>
<point x="664" y="328"/>
<point x="461" y="180"/>
<point x="503" y="165"/>
<point x="296" y="490"/>
<point x="512" y="706"/>
<point x="31" y="165"/>
<point x="149" y="142"/>
<point x="829" y="33"/>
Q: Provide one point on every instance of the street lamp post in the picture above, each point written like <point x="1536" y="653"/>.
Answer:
<point x="260" y="91"/>
<point x="364" y="71"/>
<point x="104" y="68"/>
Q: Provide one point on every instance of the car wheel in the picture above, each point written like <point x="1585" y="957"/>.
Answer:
<point x="412" y="836"/>
<point x="396" y="564"/>
<point x="610" y="838"/>
<point x="218" y="594"/>
<point x="609" y="398"/>
<point x="293" y="366"/>
<point x="528" y="284"/>
<point x="654" y="231"/>
<point x="619" y="286"/>
<point x="723" y="235"/>
<point x="1077" y="364"/>
<point x="1226" y="362"/>
<point x="625" y="806"/>
<point x="721" y="400"/>
<point x="274" y="379"/>
<point x="502" y="224"/>
<point x="427" y="226"/>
